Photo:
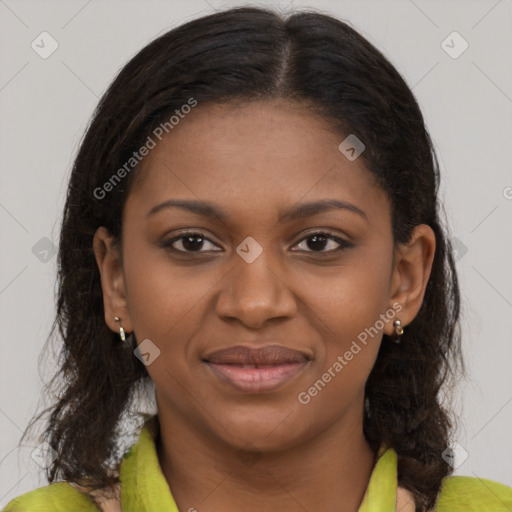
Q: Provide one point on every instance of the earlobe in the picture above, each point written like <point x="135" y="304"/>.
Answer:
<point x="411" y="272"/>
<point x="108" y="259"/>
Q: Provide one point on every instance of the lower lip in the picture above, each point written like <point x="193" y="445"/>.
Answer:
<point x="256" y="380"/>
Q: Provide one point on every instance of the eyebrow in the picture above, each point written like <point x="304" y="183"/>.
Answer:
<point x="299" y="211"/>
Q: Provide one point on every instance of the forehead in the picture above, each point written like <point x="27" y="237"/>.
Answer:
<point x="253" y="157"/>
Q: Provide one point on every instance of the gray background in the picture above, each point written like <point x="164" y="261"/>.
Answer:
<point x="45" y="105"/>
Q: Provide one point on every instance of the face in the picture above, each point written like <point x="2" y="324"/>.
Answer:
<point x="269" y="312"/>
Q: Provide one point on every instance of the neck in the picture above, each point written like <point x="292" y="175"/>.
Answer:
<point x="330" y="472"/>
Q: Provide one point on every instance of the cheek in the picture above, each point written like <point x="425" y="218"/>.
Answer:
<point x="351" y="341"/>
<point x="164" y="302"/>
<point x="162" y="298"/>
<point x="351" y="297"/>
<point x="351" y="316"/>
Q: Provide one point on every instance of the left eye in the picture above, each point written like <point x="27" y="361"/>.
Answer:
<point x="319" y="241"/>
<point x="190" y="242"/>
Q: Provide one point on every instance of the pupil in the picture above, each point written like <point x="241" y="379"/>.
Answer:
<point x="192" y="243"/>
<point x="318" y="242"/>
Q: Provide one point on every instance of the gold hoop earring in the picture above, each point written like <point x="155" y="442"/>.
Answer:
<point x="399" y="330"/>
<point x="122" y="334"/>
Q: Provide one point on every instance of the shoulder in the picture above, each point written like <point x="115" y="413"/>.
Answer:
<point x="57" y="497"/>
<point x="468" y="494"/>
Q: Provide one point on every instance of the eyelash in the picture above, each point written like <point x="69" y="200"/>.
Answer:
<point x="342" y="243"/>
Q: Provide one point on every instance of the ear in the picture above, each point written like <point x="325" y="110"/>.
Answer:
<point x="411" y="272"/>
<point x="108" y="258"/>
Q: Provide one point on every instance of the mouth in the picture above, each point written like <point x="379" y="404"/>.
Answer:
<point x="256" y="370"/>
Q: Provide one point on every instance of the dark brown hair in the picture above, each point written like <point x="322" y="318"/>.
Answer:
<point x="245" y="54"/>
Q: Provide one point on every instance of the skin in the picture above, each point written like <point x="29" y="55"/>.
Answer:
<point x="220" y="448"/>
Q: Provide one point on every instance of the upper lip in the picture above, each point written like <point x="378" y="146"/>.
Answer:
<point x="267" y="355"/>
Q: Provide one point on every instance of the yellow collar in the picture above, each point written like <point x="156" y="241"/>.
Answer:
<point x="145" y="489"/>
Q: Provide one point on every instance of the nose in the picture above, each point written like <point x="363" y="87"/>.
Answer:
<point x="254" y="293"/>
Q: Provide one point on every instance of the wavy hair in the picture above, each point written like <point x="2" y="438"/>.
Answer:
<point x="246" y="54"/>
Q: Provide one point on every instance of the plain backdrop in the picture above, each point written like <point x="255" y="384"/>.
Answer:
<point x="466" y="97"/>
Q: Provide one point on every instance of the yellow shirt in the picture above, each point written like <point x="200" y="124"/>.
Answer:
<point x="145" y="489"/>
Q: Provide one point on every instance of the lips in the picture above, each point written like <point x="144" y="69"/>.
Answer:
<point x="256" y="369"/>
<point x="269" y="355"/>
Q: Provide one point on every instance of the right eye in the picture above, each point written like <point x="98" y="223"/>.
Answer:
<point x="189" y="242"/>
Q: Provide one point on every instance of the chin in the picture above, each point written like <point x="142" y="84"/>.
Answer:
<point x="264" y="432"/>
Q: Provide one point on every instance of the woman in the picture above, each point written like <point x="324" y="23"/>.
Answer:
<point x="252" y="228"/>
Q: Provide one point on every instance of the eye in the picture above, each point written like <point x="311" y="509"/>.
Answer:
<point x="190" y="242"/>
<point x="319" y="241"/>
<point x="196" y="242"/>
